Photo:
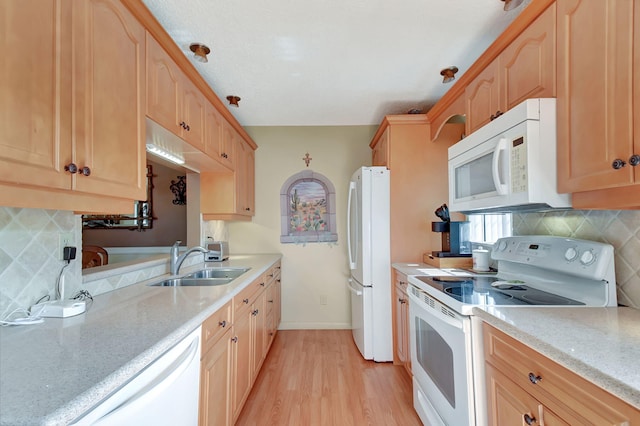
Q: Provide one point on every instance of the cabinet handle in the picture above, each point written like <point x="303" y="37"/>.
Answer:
<point x="245" y="301"/>
<point x="496" y="115"/>
<point x="254" y="313"/>
<point x="270" y="301"/>
<point x="618" y="164"/>
<point x="71" y="168"/>
<point x="188" y="128"/>
<point x="634" y="160"/>
<point x="270" y="275"/>
<point x="224" y="155"/>
<point x="262" y="284"/>
<point x="222" y="323"/>
<point x="534" y="379"/>
<point x="403" y="282"/>
<point x="234" y="339"/>
<point x="529" y="420"/>
<point x="85" y="171"/>
<point x="402" y="301"/>
<point x="248" y="209"/>
<point x="279" y="280"/>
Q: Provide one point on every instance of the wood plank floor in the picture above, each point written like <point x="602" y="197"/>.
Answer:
<point x="318" y="378"/>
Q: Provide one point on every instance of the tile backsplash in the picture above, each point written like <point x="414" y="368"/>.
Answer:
<point x="29" y="264"/>
<point x="29" y="255"/>
<point x="621" y="229"/>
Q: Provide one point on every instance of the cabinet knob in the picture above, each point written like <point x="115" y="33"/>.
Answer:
<point x="234" y="339"/>
<point x="534" y="378"/>
<point x="634" y="160"/>
<point x="402" y="301"/>
<point x="270" y="301"/>
<point x="222" y="323"/>
<point x="618" y="164"/>
<point x="496" y="115"/>
<point x="71" y="168"/>
<point x="248" y="209"/>
<point x="246" y="301"/>
<point x="188" y="128"/>
<point x="529" y="420"/>
<point x="262" y="284"/>
<point x="85" y="171"/>
<point x="254" y="313"/>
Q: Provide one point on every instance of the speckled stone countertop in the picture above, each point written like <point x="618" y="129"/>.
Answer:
<point x="53" y="372"/>
<point x="600" y="344"/>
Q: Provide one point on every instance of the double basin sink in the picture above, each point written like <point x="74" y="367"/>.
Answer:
<point x="205" y="277"/>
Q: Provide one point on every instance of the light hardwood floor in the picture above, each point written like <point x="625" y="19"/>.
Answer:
<point x="318" y="378"/>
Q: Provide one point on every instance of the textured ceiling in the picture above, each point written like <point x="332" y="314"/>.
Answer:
<point x="331" y="62"/>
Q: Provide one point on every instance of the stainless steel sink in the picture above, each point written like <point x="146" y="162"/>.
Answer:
<point x="192" y="282"/>
<point x="218" y="273"/>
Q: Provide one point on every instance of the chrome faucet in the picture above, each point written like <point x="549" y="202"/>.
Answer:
<point x="176" y="261"/>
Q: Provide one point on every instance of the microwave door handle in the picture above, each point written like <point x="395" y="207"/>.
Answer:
<point x="501" y="188"/>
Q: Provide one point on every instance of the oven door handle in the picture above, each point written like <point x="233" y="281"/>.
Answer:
<point x="454" y="321"/>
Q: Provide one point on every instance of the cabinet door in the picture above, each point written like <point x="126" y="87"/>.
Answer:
<point x="402" y="334"/>
<point x="595" y="93"/>
<point x="528" y="64"/>
<point x="193" y="114"/>
<point x="483" y="97"/>
<point x="248" y="181"/>
<point x="241" y="360"/>
<point x="215" y="385"/>
<point x="380" y="154"/>
<point x="35" y="124"/>
<point x="508" y="403"/>
<point x="163" y="87"/>
<point x="108" y="99"/>
<point x="213" y="132"/>
<point x="259" y="329"/>
<point x="228" y="145"/>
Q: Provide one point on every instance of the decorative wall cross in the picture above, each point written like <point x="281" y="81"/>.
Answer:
<point x="307" y="159"/>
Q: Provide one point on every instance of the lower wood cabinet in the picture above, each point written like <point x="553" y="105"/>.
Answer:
<point x="525" y="387"/>
<point x="402" y="354"/>
<point x="235" y="342"/>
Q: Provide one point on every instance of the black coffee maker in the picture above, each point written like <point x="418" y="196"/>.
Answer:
<point x="455" y="235"/>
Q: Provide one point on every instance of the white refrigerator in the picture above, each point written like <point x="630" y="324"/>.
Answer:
<point x="368" y="242"/>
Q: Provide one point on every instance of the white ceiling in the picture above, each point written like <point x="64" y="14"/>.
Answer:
<point x="331" y="62"/>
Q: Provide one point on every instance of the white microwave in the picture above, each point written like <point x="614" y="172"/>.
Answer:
<point x="508" y="164"/>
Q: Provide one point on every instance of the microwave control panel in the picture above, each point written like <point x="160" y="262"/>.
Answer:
<point x="518" y="165"/>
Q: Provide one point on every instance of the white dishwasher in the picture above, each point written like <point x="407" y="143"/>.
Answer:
<point x="164" y="393"/>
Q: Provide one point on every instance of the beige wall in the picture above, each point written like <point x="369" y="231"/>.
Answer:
<point x="315" y="271"/>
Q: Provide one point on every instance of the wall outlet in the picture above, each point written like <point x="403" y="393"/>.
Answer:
<point x="65" y="239"/>
<point x="323" y="299"/>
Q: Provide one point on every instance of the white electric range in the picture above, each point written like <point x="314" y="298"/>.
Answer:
<point x="532" y="271"/>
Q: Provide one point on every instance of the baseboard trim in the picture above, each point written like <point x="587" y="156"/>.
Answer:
<point x="314" y="326"/>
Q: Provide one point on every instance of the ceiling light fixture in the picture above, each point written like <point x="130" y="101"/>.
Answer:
<point x="449" y="74"/>
<point x="174" y="158"/>
<point x="511" y="4"/>
<point x="200" y="52"/>
<point x="233" y="100"/>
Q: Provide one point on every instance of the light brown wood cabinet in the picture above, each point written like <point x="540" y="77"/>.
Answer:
<point x="598" y="124"/>
<point x="215" y="375"/>
<point x="230" y="195"/>
<point x="524" y="69"/>
<point x="61" y="112"/>
<point x="235" y="342"/>
<point x="172" y="99"/>
<point x="525" y="387"/>
<point x="380" y="152"/>
<point x="402" y="356"/>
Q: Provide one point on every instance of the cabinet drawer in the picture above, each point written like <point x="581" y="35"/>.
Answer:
<point x="247" y="296"/>
<point x="215" y="326"/>
<point x="553" y="385"/>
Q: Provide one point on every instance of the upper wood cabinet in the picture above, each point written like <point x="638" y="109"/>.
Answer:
<point x="172" y="99"/>
<point x="219" y="137"/>
<point x="230" y="195"/>
<point x="380" y="152"/>
<point x="524" y="69"/>
<point x="108" y="99"/>
<point x="597" y="88"/>
<point x="60" y="112"/>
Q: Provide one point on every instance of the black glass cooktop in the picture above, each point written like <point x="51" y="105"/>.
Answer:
<point x="494" y="291"/>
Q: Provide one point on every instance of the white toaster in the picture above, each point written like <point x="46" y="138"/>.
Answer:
<point x="217" y="251"/>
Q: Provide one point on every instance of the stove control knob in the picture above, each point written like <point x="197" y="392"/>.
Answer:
<point x="571" y="254"/>
<point x="587" y="258"/>
<point x="502" y="246"/>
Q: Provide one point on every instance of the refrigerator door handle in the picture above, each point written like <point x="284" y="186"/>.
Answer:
<point x="352" y="289"/>
<point x="352" y="188"/>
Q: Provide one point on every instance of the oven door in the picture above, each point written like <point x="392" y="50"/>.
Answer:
<point x="441" y="362"/>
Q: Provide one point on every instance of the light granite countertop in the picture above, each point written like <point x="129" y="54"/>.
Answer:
<point x="53" y="372"/>
<point x="600" y="344"/>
